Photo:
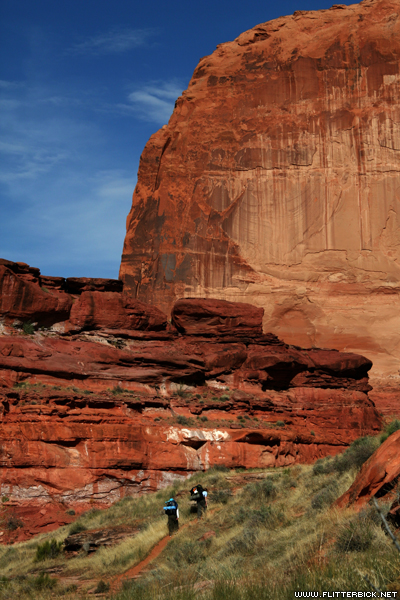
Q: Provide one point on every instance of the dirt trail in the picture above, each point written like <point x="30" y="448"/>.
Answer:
<point x="241" y="479"/>
<point x="137" y="569"/>
<point x="154" y="552"/>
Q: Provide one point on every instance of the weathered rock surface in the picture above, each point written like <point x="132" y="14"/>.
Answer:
<point x="23" y="299"/>
<point x="115" y="401"/>
<point x="94" y="363"/>
<point x="276" y="182"/>
<point x="76" y="448"/>
<point x="378" y="477"/>
<point x="213" y="317"/>
<point x="75" y="304"/>
<point x="111" y="310"/>
<point x="90" y="541"/>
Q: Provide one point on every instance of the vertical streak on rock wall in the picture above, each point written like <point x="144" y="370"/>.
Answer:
<point x="277" y="182"/>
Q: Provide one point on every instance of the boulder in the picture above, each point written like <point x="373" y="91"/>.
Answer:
<point x="111" y="310"/>
<point x="206" y="317"/>
<point x="378" y="475"/>
<point x="23" y="300"/>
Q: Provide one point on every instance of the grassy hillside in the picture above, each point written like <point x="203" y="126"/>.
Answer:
<point x="266" y="534"/>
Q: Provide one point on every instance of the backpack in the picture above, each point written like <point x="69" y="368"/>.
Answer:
<point x="170" y="507"/>
<point x="196" y="493"/>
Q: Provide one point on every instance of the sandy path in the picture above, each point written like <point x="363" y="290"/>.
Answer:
<point x="137" y="569"/>
<point x="154" y="552"/>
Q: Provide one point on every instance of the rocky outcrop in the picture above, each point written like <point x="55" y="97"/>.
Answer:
<point x="114" y="311"/>
<point x="379" y="478"/>
<point x="79" y="448"/>
<point x="276" y="182"/>
<point x="213" y="317"/>
<point x="114" y="400"/>
<point x="97" y="361"/>
<point x="73" y="304"/>
<point x="22" y="298"/>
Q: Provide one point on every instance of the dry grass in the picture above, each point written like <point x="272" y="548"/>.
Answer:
<point x="269" y="538"/>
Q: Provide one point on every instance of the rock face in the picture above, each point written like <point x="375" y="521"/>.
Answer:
<point x="213" y="317"/>
<point x="378" y="477"/>
<point x="74" y="304"/>
<point x="114" y="400"/>
<point x="63" y="447"/>
<point x="276" y="182"/>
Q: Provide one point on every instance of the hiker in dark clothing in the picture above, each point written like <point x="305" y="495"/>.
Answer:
<point x="198" y="494"/>
<point x="172" y="511"/>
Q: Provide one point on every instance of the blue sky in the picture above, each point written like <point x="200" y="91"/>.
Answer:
<point x="83" y="85"/>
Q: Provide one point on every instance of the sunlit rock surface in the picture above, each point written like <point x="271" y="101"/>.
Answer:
<point x="106" y="398"/>
<point x="276" y="182"/>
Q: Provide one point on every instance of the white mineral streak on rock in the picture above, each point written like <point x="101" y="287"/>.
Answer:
<point x="207" y="435"/>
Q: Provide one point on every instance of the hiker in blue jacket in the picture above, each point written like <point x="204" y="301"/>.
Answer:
<point x="172" y="511"/>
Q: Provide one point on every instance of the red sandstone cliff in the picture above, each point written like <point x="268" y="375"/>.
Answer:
<point x="106" y="398"/>
<point x="276" y="182"/>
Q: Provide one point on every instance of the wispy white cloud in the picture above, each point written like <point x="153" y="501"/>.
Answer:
<point x="154" y="101"/>
<point x="34" y="136"/>
<point x="112" y="42"/>
<point x="63" y="205"/>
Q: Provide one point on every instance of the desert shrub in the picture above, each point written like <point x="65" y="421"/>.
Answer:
<point x="262" y="490"/>
<point x="182" y="420"/>
<point x="261" y="517"/>
<point x="221" y="496"/>
<point x="49" y="549"/>
<point x="355" y="536"/>
<point x="13" y="523"/>
<point x="325" y="496"/>
<point x="224" y="398"/>
<point x="71" y="588"/>
<point x="389" y="429"/>
<point x="322" y="466"/>
<point x="244" y="543"/>
<point x="280" y="423"/>
<point x="44" y="582"/>
<point x="356" y="454"/>
<point x="265" y="516"/>
<point x="117" y="390"/>
<point x="189" y="552"/>
<point x="204" y="418"/>
<point x="219" y="469"/>
<point x="76" y="527"/>
<point x="102" y="587"/>
<point x="181" y="390"/>
<point x="352" y="458"/>
<point x="28" y="328"/>
<point x="94" y="512"/>
<point x="70" y="512"/>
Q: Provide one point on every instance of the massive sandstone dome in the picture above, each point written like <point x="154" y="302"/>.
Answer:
<point x="276" y="182"/>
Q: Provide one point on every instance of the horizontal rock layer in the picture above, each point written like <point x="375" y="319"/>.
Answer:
<point x="65" y="448"/>
<point x="110" y="399"/>
<point x="75" y="304"/>
<point x="276" y="182"/>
